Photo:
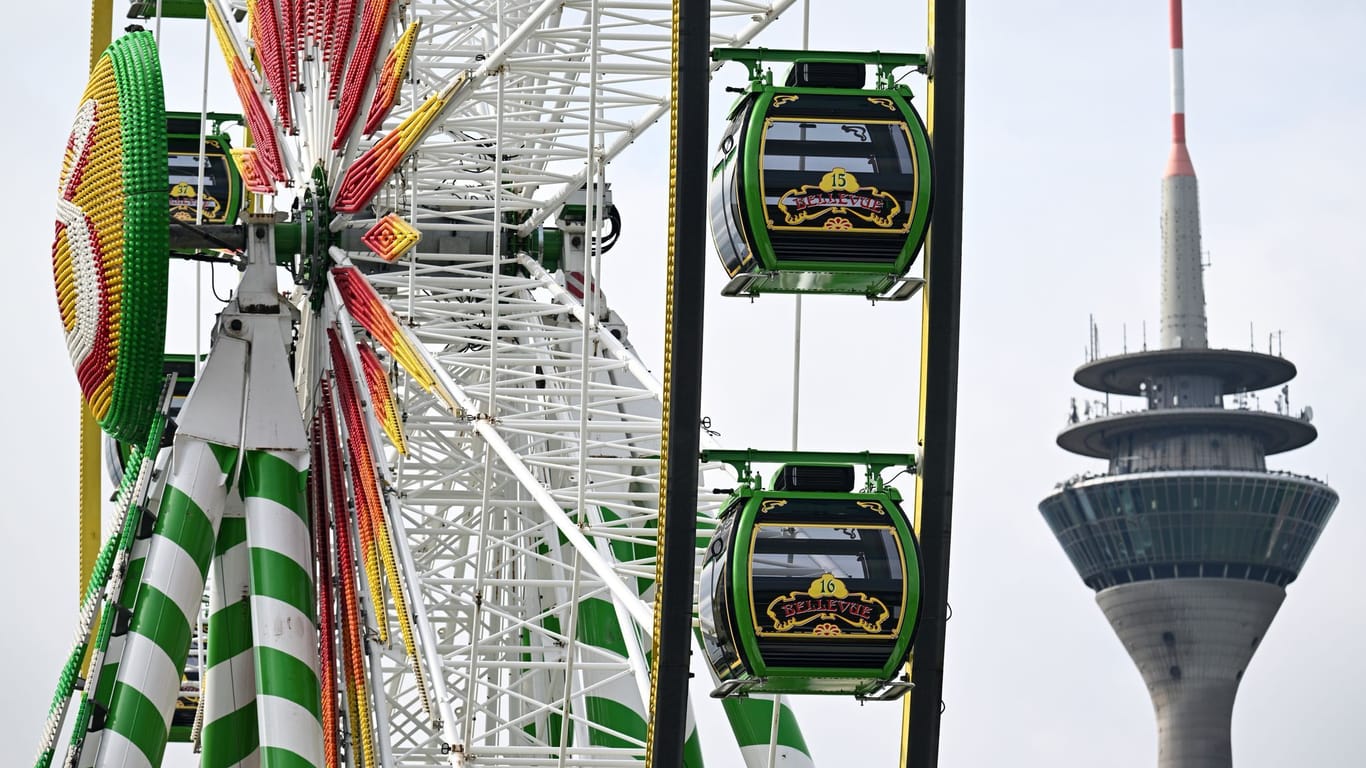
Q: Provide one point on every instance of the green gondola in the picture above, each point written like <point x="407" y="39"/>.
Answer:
<point x="821" y="185"/>
<point x="809" y="587"/>
<point x="221" y="195"/>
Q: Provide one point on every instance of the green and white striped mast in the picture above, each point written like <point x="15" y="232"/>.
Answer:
<point x="229" y="732"/>
<point x="240" y="430"/>
<point x="157" y="640"/>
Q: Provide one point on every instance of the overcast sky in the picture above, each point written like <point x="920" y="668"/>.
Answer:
<point x="1067" y="137"/>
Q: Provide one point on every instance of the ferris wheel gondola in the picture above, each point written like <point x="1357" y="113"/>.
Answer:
<point x="821" y="185"/>
<point x="206" y="185"/>
<point x="808" y="586"/>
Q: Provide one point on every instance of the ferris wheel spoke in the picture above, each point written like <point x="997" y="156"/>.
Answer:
<point x="276" y="155"/>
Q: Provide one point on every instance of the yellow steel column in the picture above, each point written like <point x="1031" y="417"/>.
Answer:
<point x="101" y="27"/>
<point x="907" y="701"/>
<point x="89" y="522"/>
<point x="924" y="373"/>
<point x="937" y="424"/>
<point x="88" y="526"/>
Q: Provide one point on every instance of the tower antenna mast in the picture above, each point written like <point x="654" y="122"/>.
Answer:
<point x="1183" y="289"/>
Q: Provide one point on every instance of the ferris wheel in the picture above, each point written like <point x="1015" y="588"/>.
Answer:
<point x="405" y="512"/>
<point x="482" y="437"/>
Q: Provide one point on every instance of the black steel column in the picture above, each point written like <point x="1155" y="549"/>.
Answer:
<point x="682" y="386"/>
<point x="943" y="267"/>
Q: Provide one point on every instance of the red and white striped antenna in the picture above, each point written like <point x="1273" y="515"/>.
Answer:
<point x="1179" y="164"/>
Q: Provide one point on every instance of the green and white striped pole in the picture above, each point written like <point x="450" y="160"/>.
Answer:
<point x="616" y="707"/>
<point x="109" y="591"/>
<point x="104" y="664"/>
<point x="752" y="721"/>
<point x="167" y="606"/>
<point x="613" y="702"/>
<point x="284" y="633"/>
<point x="229" y="735"/>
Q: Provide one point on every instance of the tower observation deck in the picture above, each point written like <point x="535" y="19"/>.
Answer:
<point x="1188" y="539"/>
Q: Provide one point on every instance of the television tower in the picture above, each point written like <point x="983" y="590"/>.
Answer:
<point x="1188" y="539"/>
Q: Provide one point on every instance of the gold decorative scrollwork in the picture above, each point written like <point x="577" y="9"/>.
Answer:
<point x="887" y="104"/>
<point x="875" y="506"/>
<point x="839" y="192"/>
<point x="782" y="99"/>
<point x="827" y="600"/>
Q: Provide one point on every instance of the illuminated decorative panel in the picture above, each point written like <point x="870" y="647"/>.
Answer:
<point x="359" y="67"/>
<point x="391" y="78"/>
<point x="373" y="314"/>
<point x="391" y="237"/>
<point x="382" y="396"/>
<point x="109" y="251"/>
<point x="254" y="176"/>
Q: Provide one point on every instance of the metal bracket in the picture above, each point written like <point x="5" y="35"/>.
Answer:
<point x="890" y="690"/>
<point x="903" y="289"/>
<point x="739" y="285"/>
<point x="736" y="688"/>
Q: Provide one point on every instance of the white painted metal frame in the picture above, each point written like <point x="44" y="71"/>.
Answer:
<point x="500" y="581"/>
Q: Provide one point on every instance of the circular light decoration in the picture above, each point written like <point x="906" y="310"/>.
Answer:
<point x="109" y="253"/>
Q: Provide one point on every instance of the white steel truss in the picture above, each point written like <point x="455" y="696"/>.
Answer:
<point x="526" y="630"/>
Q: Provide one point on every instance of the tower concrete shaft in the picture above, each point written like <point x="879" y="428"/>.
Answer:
<point x="1192" y="639"/>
